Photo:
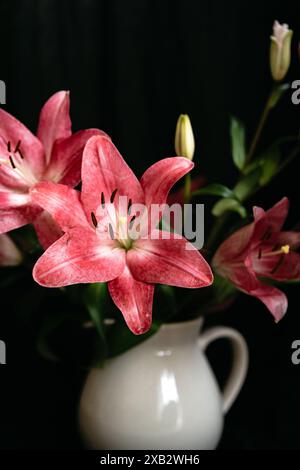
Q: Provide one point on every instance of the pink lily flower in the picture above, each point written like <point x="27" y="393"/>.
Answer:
<point x="262" y="250"/>
<point x="96" y="246"/>
<point x="10" y="255"/>
<point x="54" y="155"/>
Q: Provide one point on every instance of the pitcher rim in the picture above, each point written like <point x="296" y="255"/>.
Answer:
<point x="178" y="325"/>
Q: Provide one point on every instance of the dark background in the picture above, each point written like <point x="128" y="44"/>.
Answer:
<point x="133" y="66"/>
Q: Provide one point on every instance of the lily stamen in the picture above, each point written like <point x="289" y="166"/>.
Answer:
<point x="131" y="222"/>
<point x="113" y="195"/>
<point x="129" y="206"/>
<point x="12" y="162"/>
<point x="122" y="229"/>
<point x="111" y="232"/>
<point x="102" y="200"/>
<point x="20" y="153"/>
<point x="94" y="220"/>
<point x="277" y="265"/>
<point x="284" y="249"/>
<point x="17" y="146"/>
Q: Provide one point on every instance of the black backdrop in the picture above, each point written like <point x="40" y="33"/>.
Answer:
<point x="132" y="66"/>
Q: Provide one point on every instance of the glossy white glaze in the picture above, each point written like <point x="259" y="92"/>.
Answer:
<point x="161" y="394"/>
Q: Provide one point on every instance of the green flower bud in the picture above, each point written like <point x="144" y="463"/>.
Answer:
<point x="184" y="138"/>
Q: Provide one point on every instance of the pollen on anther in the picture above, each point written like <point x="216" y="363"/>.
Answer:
<point x="129" y="206"/>
<point x="102" y="200"/>
<point x="131" y="222"/>
<point x="94" y="220"/>
<point x="17" y="146"/>
<point x="285" y="249"/>
<point x="21" y="154"/>
<point x="111" y="231"/>
<point x="8" y="146"/>
<point x="113" y="195"/>
<point x="12" y="162"/>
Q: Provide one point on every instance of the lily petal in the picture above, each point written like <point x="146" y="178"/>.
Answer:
<point x="272" y="220"/>
<point x="172" y="261"/>
<point x="103" y="171"/>
<point x="62" y="202"/>
<point x="78" y="257"/>
<point x="54" y="121"/>
<point x="161" y="177"/>
<point x="14" y="218"/>
<point x="10" y="200"/>
<point x="134" y="299"/>
<point x="289" y="238"/>
<point x="9" y="178"/>
<point x="234" y="247"/>
<point x="66" y="157"/>
<point x="281" y="268"/>
<point x="10" y="255"/>
<point x="13" y="131"/>
<point x="47" y="229"/>
<point x="274" y="299"/>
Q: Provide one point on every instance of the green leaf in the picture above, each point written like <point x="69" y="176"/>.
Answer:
<point x="216" y="297"/>
<point x="121" y="339"/>
<point x="215" y="189"/>
<point x="225" y="205"/>
<point x="222" y="289"/>
<point x="266" y="166"/>
<point x="219" y="294"/>
<point x="164" y="225"/>
<point x="165" y="305"/>
<point x="275" y="147"/>
<point x="270" y="163"/>
<point x="94" y="299"/>
<point x="238" y="148"/>
<point x="277" y="94"/>
<point x="252" y="166"/>
<point x="247" y="185"/>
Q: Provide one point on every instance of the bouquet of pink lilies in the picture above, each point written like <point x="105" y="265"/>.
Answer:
<point x="78" y="216"/>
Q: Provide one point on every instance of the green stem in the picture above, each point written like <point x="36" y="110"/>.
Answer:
<point x="261" y="124"/>
<point x="187" y="188"/>
<point x="288" y="159"/>
<point x="217" y="227"/>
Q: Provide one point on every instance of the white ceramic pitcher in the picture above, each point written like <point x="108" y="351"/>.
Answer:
<point x="162" y="394"/>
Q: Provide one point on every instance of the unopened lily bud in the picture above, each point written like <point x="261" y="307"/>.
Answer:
<point x="184" y="137"/>
<point x="280" y="52"/>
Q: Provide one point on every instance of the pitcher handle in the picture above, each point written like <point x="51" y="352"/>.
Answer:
<point x="240" y="361"/>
